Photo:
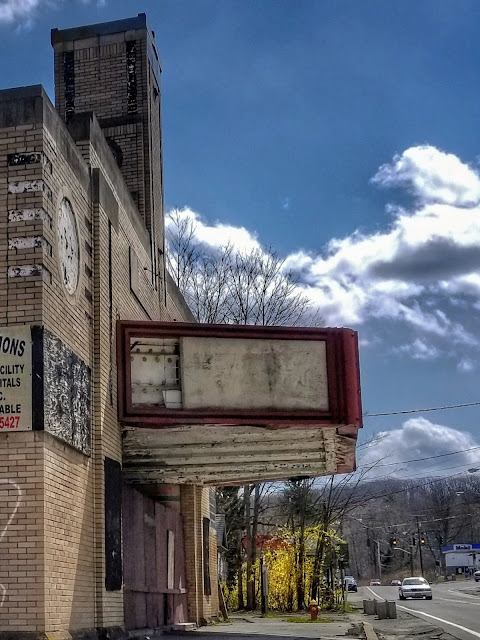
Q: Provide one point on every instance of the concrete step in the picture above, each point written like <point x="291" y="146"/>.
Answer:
<point x="184" y="626"/>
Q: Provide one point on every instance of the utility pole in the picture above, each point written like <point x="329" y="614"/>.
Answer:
<point x="379" y="562"/>
<point x="264" y="585"/>
<point x="420" y="545"/>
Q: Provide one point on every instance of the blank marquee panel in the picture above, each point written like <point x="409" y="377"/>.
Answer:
<point x="242" y="373"/>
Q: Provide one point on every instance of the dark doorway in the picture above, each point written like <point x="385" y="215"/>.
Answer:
<point x="154" y="563"/>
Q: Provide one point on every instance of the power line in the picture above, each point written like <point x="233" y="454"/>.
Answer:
<point x="397" y="413"/>
<point x="396" y="525"/>
<point x="410" y="488"/>
<point x="430" y="470"/>
<point x="440" y="455"/>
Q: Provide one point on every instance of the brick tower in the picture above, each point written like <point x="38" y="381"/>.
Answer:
<point x="113" y="69"/>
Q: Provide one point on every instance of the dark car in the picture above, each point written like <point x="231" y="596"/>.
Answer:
<point x="350" y="583"/>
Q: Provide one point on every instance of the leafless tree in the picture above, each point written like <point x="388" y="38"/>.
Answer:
<point x="224" y="285"/>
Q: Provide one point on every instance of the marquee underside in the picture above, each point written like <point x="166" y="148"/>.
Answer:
<point x="208" y="454"/>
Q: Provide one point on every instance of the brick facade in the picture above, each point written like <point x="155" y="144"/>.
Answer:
<point x="102" y="152"/>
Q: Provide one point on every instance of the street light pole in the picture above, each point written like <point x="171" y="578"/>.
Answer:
<point x="410" y="553"/>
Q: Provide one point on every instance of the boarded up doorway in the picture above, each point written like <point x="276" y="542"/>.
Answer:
<point x="154" y="563"/>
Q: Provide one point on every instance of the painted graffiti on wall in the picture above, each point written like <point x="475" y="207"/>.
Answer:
<point x="7" y="486"/>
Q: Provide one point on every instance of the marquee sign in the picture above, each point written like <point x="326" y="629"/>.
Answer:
<point x="184" y="373"/>
<point x="15" y="379"/>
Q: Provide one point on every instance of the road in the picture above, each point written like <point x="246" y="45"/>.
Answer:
<point x="455" y="606"/>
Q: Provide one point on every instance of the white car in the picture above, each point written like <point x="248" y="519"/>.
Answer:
<point x="415" y="588"/>
<point x="476" y="575"/>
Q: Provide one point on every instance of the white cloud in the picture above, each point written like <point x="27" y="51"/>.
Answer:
<point x="432" y="176"/>
<point x="420" y="438"/>
<point x="12" y="10"/>
<point x="466" y="365"/>
<point x="403" y="276"/>
<point x="218" y="235"/>
<point x="23" y="11"/>
<point x="419" y="350"/>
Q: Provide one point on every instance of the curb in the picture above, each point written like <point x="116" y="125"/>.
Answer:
<point x="369" y="632"/>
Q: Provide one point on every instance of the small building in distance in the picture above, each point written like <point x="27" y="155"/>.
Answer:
<point x="461" y="558"/>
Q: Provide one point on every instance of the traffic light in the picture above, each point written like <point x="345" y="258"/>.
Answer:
<point x="422" y="539"/>
<point x="394" y="541"/>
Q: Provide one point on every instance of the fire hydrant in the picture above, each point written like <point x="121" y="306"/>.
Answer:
<point x="313" y="610"/>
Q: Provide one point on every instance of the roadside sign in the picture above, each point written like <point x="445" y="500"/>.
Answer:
<point x="15" y="379"/>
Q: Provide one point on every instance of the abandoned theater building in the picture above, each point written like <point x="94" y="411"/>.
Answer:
<point x="118" y="413"/>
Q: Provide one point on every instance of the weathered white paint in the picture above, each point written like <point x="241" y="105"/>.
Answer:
<point x="27" y="270"/>
<point x="68" y="247"/>
<point x="26" y="215"/>
<point x="19" y="159"/>
<point x="234" y="373"/>
<point x="29" y="157"/>
<point x="213" y="455"/>
<point x="29" y="186"/>
<point x="28" y="242"/>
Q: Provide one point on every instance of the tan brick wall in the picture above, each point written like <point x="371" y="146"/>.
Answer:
<point x="195" y="505"/>
<point x="22" y="554"/>
<point x="125" y="305"/>
<point x="189" y="499"/>
<point x="52" y="555"/>
<point x="70" y="322"/>
<point x="210" y="603"/>
<point x="46" y="535"/>
<point x="55" y="590"/>
<point x="15" y="291"/>
<point x="69" y="538"/>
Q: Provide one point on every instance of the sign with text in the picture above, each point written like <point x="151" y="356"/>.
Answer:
<point x="15" y="379"/>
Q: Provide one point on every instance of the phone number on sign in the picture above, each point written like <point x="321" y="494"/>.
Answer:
<point x="9" y="422"/>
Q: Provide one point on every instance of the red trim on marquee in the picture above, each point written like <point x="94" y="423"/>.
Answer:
<point x="343" y="375"/>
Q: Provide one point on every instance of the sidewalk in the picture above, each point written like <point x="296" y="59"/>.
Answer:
<point x="251" y="625"/>
<point x="248" y="626"/>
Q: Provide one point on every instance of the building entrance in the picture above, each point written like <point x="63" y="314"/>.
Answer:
<point x="154" y="563"/>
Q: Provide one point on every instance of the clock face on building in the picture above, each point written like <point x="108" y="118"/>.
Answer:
<point x="68" y="247"/>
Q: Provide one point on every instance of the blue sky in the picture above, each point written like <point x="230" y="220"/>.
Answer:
<point x="344" y="135"/>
